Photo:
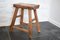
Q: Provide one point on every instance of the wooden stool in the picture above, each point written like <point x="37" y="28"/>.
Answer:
<point x="29" y="7"/>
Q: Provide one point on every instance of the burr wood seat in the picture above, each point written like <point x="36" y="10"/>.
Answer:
<point x="29" y="7"/>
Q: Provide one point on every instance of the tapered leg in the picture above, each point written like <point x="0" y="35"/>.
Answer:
<point x="13" y="20"/>
<point x="30" y="23"/>
<point x="21" y="19"/>
<point x="37" y="24"/>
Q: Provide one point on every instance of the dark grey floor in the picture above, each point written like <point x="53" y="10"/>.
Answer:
<point x="48" y="32"/>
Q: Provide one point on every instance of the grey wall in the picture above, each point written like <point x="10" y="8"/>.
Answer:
<point x="55" y="12"/>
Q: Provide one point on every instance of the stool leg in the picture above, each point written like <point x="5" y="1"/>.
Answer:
<point x="21" y="19"/>
<point x="13" y="19"/>
<point x="37" y="24"/>
<point x="30" y="24"/>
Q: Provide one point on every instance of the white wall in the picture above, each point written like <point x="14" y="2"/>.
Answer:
<point x="6" y="10"/>
<point x="55" y="12"/>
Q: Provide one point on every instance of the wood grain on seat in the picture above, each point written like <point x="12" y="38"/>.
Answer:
<point x="24" y="5"/>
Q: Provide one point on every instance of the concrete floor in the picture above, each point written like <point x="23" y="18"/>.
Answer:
<point x="48" y="32"/>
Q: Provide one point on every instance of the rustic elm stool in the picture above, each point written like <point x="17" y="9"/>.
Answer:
<point x="29" y="7"/>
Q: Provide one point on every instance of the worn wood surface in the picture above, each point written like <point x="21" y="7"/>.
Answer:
<point x="36" y="18"/>
<point x="13" y="19"/>
<point x="25" y="5"/>
<point x="30" y="7"/>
